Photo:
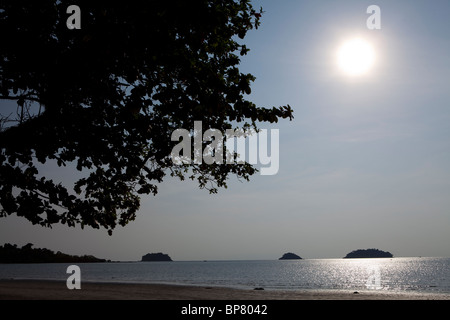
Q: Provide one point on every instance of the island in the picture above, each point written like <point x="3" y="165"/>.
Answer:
<point x="12" y="254"/>
<point x="151" y="257"/>
<point x="368" y="253"/>
<point x="290" y="256"/>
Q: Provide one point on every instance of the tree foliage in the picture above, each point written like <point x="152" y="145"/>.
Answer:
<point x="107" y="98"/>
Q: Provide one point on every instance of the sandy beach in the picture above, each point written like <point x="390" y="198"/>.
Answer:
<point x="55" y="290"/>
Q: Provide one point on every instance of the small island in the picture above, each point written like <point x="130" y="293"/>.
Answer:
<point x="152" y="257"/>
<point x="290" y="256"/>
<point x="368" y="253"/>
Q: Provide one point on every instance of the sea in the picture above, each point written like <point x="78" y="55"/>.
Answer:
<point x="419" y="275"/>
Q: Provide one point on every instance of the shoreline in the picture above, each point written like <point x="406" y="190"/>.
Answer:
<point x="57" y="290"/>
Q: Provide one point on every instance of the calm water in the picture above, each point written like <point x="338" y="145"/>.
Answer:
<point x="399" y="274"/>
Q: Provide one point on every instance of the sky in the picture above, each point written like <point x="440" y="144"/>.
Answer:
<point x="364" y="164"/>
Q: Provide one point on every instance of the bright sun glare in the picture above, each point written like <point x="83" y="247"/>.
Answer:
<point x="356" y="57"/>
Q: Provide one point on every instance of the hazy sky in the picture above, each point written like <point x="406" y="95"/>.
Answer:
<point x="364" y="164"/>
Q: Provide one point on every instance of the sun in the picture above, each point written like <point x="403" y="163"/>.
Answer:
<point x="356" y="57"/>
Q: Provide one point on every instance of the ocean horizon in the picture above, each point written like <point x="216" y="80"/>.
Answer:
<point x="399" y="274"/>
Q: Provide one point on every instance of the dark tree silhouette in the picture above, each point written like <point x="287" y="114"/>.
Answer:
<point x="106" y="98"/>
<point x="12" y="254"/>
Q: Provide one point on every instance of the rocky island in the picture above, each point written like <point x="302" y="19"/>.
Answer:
<point x="290" y="256"/>
<point x="368" y="253"/>
<point x="152" y="257"/>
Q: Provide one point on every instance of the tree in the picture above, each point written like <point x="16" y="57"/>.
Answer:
<point x="108" y="96"/>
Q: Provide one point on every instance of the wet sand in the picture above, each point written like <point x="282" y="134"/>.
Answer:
<point x="55" y="290"/>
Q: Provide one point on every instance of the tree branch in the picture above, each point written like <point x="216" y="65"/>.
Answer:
<point x="24" y="97"/>
<point x="47" y="198"/>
